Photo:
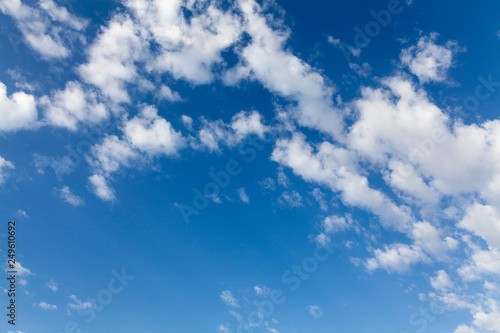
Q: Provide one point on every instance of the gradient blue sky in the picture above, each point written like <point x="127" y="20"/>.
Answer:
<point x="359" y="184"/>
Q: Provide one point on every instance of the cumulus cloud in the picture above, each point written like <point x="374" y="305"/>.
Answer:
<point x="17" y="111"/>
<point x="395" y="258"/>
<point x="152" y="134"/>
<point x="50" y="30"/>
<point x="427" y="60"/>
<point x="73" y="105"/>
<point x="100" y="187"/>
<point x="112" y="57"/>
<point x="441" y="281"/>
<point x="213" y="134"/>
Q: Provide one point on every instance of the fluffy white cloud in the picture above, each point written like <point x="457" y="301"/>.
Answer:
<point x="483" y="221"/>
<point x="101" y="188"/>
<point x="441" y="281"/>
<point x="481" y="262"/>
<point x="47" y="31"/>
<point x="21" y="271"/>
<point x="428" y="238"/>
<point x="267" y="60"/>
<point x="335" y="167"/>
<point x="242" y="125"/>
<point x="67" y="195"/>
<point x="113" y="153"/>
<point x="73" y="105"/>
<point x="228" y="298"/>
<point x="45" y="306"/>
<point x="427" y="60"/>
<point x="17" y="111"/>
<point x="152" y="134"/>
<point x="188" y="49"/>
<point x="464" y="329"/>
<point x="112" y="57"/>
<point x="396" y="258"/>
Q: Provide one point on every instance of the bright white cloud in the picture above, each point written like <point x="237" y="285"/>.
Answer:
<point x="49" y="30"/>
<point x="21" y="271"/>
<point x="73" y="105"/>
<point x="441" y="281"/>
<point x="112" y="57"/>
<point x="101" y="188"/>
<point x="152" y="134"/>
<point x="188" y="49"/>
<point x="427" y="60"/>
<point x="267" y="60"/>
<point x="17" y="111"/>
<point x="395" y="258"/>
<point x="483" y="221"/>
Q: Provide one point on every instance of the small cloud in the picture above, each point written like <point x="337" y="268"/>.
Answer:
<point x="333" y="41"/>
<point x="67" y="195"/>
<point x="320" y="197"/>
<point x="78" y="304"/>
<point x="267" y="184"/>
<point x="100" y="187"/>
<point x="315" y="311"/>
<point x="290" y="198"/>
<point x="223" y="328"/>
<point x="45" y="306"/>
<point x="21" y="271"/>
<point x="187" y="122"/>
<point x="215" y="198"/>
<point x="363" y="70"/>
<point x="22" y="213"/>
<point x="262" y="290"/>
<point x="227" y="297"/>
<point x="167" y="94"/>
<point x="243" y="195"/>
<point x="23" y="282"/>
<point x="52" y="285"/>
<point x="282" y="178"/>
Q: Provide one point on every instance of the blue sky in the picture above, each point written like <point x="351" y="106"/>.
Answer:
<point x="251" y="166"/>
